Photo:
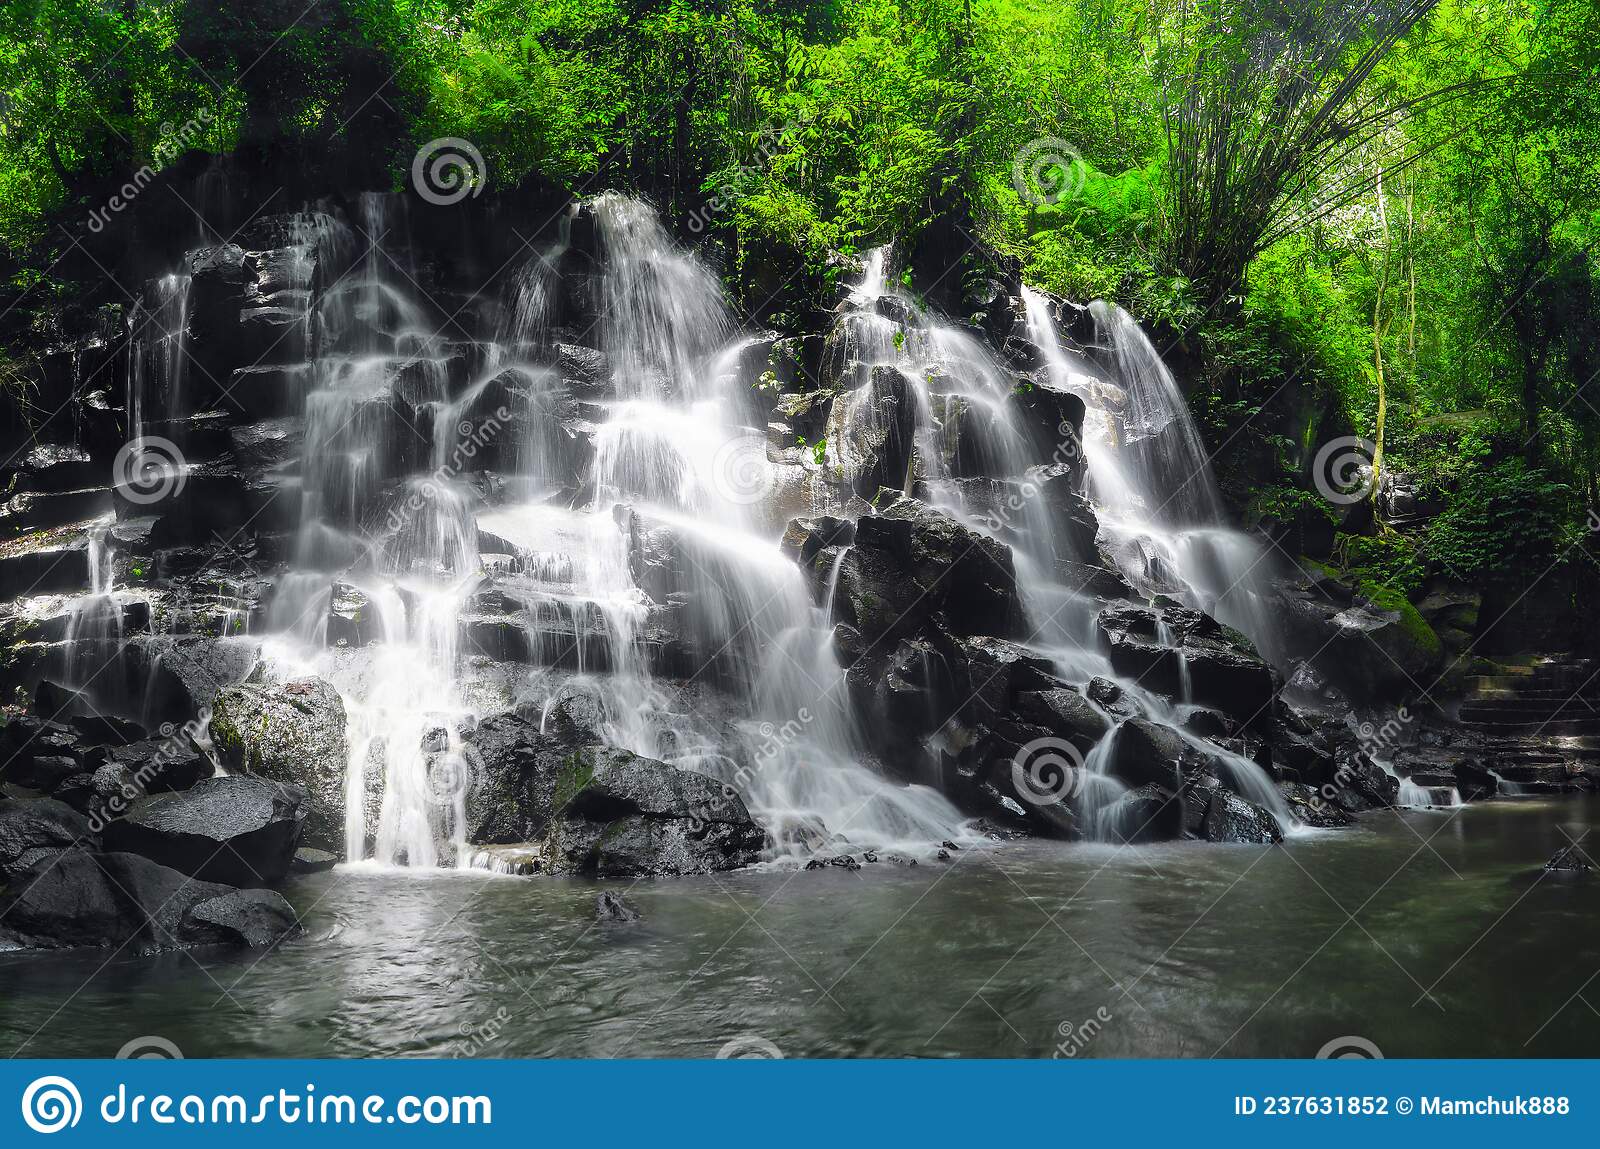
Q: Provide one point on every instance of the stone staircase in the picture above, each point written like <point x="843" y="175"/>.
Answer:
<point x="1539" y="722"/>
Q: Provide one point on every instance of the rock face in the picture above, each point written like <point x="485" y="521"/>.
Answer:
<point x="292" y="732"/>
<point x="912" y="563"/>
<point x="601" y="811"/>
<point x="124" y="900"/>
<point x="37" y="831"/>
<point x="238" y="830"/>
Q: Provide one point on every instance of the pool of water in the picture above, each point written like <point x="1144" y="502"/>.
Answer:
<point x="1425" y="934"/>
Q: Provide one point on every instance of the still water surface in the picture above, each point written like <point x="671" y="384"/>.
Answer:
<point x="1425" y="933"/>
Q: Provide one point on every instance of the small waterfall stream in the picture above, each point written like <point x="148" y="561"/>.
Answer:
<point x="1149" y="482"/>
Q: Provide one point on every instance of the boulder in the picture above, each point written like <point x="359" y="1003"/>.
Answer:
<point x="1230" y="818"/>
<point x="1147" y="753"/>
<point x="125" y="900"/>
<point x="37" y="830"/>
<point x="601" y="810"/>
<point x="239" y="830"/>
<point x="292" y="732"/>
<point x="912" y="563"/>
<point x="1148" y="813"/>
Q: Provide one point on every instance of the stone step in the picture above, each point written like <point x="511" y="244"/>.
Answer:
<point x="1546" y="727"/>
<point x="1528" y="709"/>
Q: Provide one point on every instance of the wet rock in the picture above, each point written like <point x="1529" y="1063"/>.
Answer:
<point x="118" y="899"/>
<point x="292" y="732"/>
<point x="912" y="563"/>
<point x="252" y="918"/>
<point x="107" y="729"/>
<point x="1148" y="813"/>
<point x="239" y="830"/>
<point x="1311" y="808"/>
<point x="159" y="767"/>
<point x="1147" y="753"/>
<point x="1570" y="859"/>
<point x="601" y="810"/>
<point x="1230" y="818"/>
<point x="609" y="907"/>
<point x="37" y="830"/>
<point x="1474" y="781"/>
<point x="310" y="860"/>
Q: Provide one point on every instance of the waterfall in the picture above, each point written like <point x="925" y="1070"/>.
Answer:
<point x="678" y="467"/>
<point x="157" y="330"/>
<point x="1146" y="468"/>
<point x="1150" y="479"/>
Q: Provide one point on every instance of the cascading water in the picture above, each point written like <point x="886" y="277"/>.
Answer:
<point x="1145" y="465"/>
<point x="1150" y="479"/>
<point x="677" y="464"/>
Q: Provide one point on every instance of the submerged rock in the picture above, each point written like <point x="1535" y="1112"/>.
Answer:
<point x="1570" y="859"/>
<point x="609" y="907"/>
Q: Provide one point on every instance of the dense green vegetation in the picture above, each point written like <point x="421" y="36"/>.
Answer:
<point x="1346" y="218"/>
